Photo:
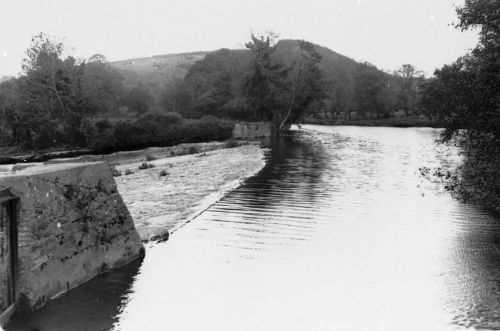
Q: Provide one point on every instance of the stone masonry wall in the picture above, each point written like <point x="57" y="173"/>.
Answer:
<point x="252" y="130"/>
<point x="72" y="225"/>
<point x="4" y="260"/>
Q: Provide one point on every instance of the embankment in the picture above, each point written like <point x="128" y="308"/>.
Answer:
<point x="397" y="122"/>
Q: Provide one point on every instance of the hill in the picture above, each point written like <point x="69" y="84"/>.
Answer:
<point x="211" y="83"/>
<point x="152" y="73"/>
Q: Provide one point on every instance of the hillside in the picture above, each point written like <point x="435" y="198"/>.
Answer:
<point x="211" y="83"/>
<point x="332" y="63"/>
<point x="154" y="72"/>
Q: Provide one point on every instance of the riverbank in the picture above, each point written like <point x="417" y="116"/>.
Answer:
<point x="397" y="122"/>
<point x="173" y="190"/>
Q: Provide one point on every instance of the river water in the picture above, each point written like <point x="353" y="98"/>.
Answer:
<point x="338" y="232"/>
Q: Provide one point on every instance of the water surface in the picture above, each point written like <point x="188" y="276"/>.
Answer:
<point x="338" y="232"/>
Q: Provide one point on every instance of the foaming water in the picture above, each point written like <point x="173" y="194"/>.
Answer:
<point x="338" y="232"/>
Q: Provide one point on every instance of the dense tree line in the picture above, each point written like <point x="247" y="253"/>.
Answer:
<point x="68" y="102"/>
<point x="64" y="102"/>
<point x="466" y="96"/>
<point x="271" y="79"/>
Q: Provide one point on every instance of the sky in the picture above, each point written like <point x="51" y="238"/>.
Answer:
<point x="386" y="33"/>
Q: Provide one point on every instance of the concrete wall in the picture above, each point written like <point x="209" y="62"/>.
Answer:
<point x="72" y="225"/>
<point x="252" y="130"/>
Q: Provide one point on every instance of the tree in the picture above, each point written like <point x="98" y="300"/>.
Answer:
<point x="177" y="97"/>
<point x="340" y="94"/>
<point x="368" y="84"/>
<point x="52" y="103"/>
<point x="101" y="87"/>
<point x="216" y="84"/>
<point x="99" y="58"/>
<point x="138" y="100"/>
<point x="46" y="91"/>
<point x="410" y="80"/>
<point x="8" y="105"/>
<point x="307" y="84"/>
<point x="282" y="94"/>
<point x="466" y="95"/>
<point x="266" y="82"/>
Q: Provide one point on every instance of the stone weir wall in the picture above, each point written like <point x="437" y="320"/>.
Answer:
<point x="252" y="130"/>
<point x="72" y="224"/>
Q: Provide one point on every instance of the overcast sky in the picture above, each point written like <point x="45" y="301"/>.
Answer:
<point x="386" y="33"/>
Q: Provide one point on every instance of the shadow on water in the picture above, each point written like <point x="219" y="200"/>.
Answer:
<point x="91" y="306"/>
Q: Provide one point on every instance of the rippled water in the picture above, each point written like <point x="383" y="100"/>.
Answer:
<point x="338" y="232"/>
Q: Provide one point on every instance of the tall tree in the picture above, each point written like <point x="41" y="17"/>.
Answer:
<point x="340" y="94"/>
<point x="307" y="84"/>
<point x="369" y="83"/>
<point x="101" y="87"/>
<point x="266" y="82"/>
<point x="282" y="94"/>
<point x="55" y="98"/>
<point x="410" y="80"/>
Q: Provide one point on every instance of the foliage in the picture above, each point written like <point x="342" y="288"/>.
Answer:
<point x="466" y="95"/>
<point x="145" y="165"/>
<point x="216" y="85"/>
<point x="257" y="84"/>
<point x="159" y="130"/>
<point x="282" y="94"/>
<point x="51" y="103"/>
<point x="177" y="98"/>
<point x="138" y="100"/>
<point x="410" y="79"/>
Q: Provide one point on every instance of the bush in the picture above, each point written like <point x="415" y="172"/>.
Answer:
<point x="231" y="143"/>
<point x="128" y="172"/>
<point x="115" y="172"/>
<point x="163" y="173"/>
<point x="157" y="129"/>
<point x="145" y="165"/>
<point x="194" y="150"/>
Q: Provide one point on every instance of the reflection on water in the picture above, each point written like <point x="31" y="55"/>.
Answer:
<point x="338" y="232"/>
<point x="91" y="306"/>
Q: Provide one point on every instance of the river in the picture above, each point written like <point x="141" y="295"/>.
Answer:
<point x="338" y="232"/>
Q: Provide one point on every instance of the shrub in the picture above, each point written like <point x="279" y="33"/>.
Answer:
<point x="115" y="172"/>
<point x="194" y="150"/>
<point x="157" y="129"/>
<point x="150" y="157"/>
<point x="231" y="143"/>
<point x="128" y="172"/>
<point x="163" y="173"/>
<point x="145" y="165"/>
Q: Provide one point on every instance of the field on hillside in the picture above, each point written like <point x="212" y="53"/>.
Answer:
<point x="154" y="72"/>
